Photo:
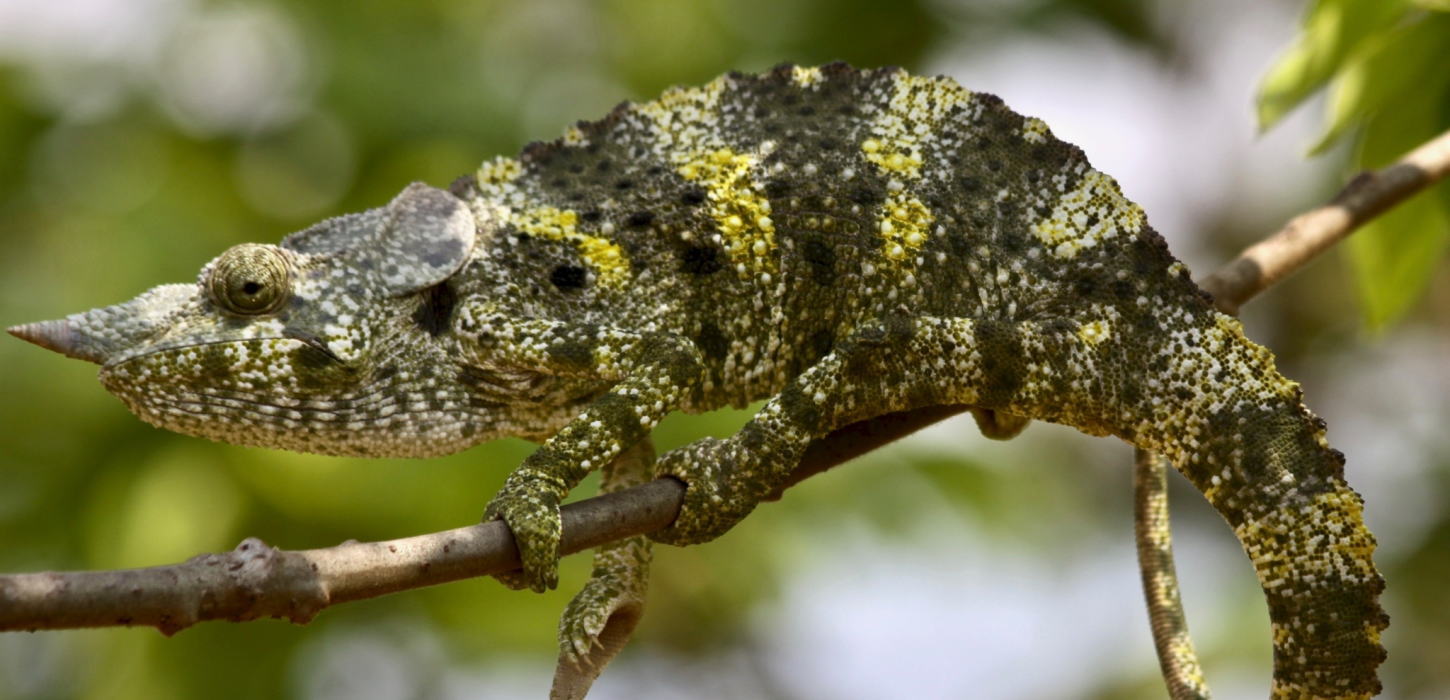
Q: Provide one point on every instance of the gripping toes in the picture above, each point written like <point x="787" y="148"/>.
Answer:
<point x="597" y="622"/>
<point x="532" y="514"/>
<point x="721" y="489"/>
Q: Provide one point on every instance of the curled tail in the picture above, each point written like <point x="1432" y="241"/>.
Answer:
<point x="1312" y="554"/>
<point x="1260" y="457"/>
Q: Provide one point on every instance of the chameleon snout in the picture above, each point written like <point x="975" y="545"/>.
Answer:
<point x="56" y="335"/>
<point x="109" y="333"/>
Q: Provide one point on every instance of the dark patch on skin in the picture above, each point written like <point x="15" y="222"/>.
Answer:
<point x="700" y="260"/>
<point x="693" y="196"/>
<point x="568" y="277"/>
<point x="822" y="259"/>
<point x="867" y="194"/>
<point x="214" y="359"/>
<point x="617" y="411"/>
<point x="464" y="186"/>
<point x="682" y="368"/>
<point x="640" y="219"/>
<point x="799" y="408"/>
<point x="435" y="309"/>
<point x="316" y="368"/>
<point x="443" y="252"/>
<point x="820" y="344"/>
<point x="712" y="343"/>
<point x="1000" y="347"/>
<point x="574" y="354"/>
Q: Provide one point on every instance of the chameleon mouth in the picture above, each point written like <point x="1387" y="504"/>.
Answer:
<point x="313" y="342"/>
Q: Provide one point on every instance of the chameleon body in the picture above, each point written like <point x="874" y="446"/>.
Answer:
<point x="843" y="243"/>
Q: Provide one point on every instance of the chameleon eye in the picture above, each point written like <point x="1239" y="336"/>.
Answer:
<point x="250" y="279"/>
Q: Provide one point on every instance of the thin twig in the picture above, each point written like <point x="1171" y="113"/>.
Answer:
<point x="1311" y="233"/>
<point x="256" y="580"/>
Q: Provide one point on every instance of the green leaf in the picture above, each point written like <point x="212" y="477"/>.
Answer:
<point x="1333" y="30"/>
<point x="1433" y="5"/>
<point x="1391" y="69"/>
<point x="1395" y="256"/>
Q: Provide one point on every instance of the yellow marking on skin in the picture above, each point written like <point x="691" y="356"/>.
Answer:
<point x="573" y="136"/>
<point x="1034" y="130"/>
<point x="1330" y="523"/>
<point x="741" y="214"/>
<point x="1231" y="334"/>
<point x="499" y="171"/>
<point x="1095" y="332"/>
<point x="917" y="109"/>
<point x="806" y="77"/>
<point x="903" y="225"/>
<point x="1094" y="211"/>
<point x="687" y="134"/>
<point x="549" y="223"/>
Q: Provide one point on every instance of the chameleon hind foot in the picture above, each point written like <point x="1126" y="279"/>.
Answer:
<point x="598" y="622"/>
<point x="721" y="488"/>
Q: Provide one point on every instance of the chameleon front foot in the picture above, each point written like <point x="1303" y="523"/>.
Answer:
<point x="721" y="488"/>
<point x="532" y="514"/>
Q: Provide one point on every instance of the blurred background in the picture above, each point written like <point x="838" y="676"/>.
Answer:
<point x="139" y="138"/>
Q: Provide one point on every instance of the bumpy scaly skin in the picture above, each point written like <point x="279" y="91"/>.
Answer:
<point x="846" y="243"/>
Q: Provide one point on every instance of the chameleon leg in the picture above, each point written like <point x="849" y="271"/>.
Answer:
<point x="1176" y="656"/>
<point x="642" y="378"/>
<point x="597" y="623"/>
<point x="877" y="370"/>
<point x="1218" y="409"/>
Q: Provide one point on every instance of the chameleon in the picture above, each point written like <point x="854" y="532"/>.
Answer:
<point x="840" y="243"/>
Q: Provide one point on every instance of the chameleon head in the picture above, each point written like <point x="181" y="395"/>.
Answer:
<point x="311" y="345"/>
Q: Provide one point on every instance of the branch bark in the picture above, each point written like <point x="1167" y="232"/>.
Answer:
<point x="256" y="580"/>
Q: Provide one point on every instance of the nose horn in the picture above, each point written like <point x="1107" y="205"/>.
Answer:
<point x="111" y="332"/>
<point x="59" y="336"/>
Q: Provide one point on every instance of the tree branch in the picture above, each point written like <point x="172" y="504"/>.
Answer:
<point x="256" y="580"/>
<point x="1366" y="196"/>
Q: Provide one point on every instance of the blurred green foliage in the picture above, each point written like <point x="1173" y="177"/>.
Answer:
<point x="132" y="153"/>
<point x="1385" y="65"/>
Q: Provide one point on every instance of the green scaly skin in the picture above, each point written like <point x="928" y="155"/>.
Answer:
<point x="843" y="243"/>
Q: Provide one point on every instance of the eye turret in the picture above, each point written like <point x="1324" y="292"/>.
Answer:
<point x="250" y="279"/>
